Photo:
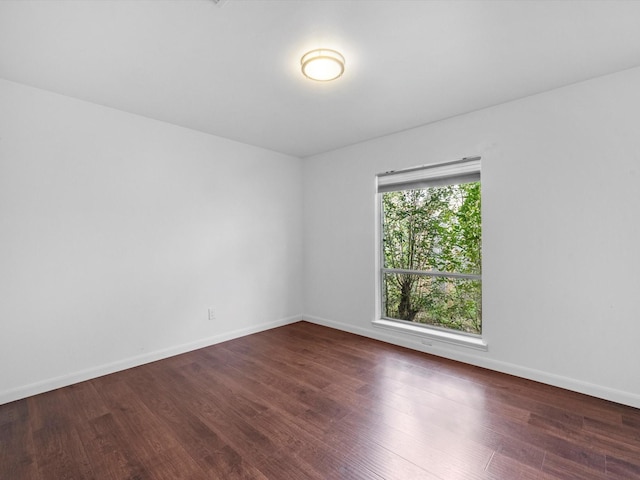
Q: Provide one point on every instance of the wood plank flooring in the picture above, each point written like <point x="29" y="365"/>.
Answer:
<point x="308" y="402"/>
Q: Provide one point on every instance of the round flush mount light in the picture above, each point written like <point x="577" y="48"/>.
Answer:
<point x="322" y="64"/>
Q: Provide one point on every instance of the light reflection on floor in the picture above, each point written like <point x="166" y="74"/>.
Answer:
<point x="410" y="397"/>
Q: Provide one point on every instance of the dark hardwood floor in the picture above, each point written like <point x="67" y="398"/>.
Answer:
<point x="308" y="402"/>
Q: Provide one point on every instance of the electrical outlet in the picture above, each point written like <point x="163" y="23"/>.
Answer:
<point x="212" y="315"/>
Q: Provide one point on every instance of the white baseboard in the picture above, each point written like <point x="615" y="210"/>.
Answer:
<point x="614" y="395"/>
<point x="619" y="396"/>
<point x="94" y="372"/>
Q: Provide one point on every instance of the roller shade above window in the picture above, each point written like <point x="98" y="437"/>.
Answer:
<point x="464" y="170"/>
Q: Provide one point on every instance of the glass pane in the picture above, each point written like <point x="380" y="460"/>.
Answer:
<point x="453" y="303"/>
<point x="436" y="228"/>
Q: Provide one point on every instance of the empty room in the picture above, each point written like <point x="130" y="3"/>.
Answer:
<point x="319" y="239"/>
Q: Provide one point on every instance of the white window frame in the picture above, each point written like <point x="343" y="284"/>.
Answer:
<point x="458" y="171"/>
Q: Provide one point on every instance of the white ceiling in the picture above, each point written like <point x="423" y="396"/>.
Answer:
<point x="233" y="69"/>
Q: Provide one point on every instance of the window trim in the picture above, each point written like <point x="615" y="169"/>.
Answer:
<point x="429" y="332"/>
<point x="459" y="171"/>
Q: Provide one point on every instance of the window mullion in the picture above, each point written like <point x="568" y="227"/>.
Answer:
<point x="432" y="273"/>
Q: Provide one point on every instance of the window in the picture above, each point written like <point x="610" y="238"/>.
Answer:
<point x="430" y="250"/>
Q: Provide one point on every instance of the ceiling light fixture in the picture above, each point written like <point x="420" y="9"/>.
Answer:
<point x="322" y="64"/>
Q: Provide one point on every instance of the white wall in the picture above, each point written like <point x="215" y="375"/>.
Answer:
<point x="117" y="232"/>
<point x="561" y="233"/>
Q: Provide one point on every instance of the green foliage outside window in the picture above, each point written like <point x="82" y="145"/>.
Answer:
<point x="434" y="230"/>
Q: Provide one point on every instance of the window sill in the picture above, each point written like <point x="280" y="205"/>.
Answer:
<point x="451" y="338"/>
